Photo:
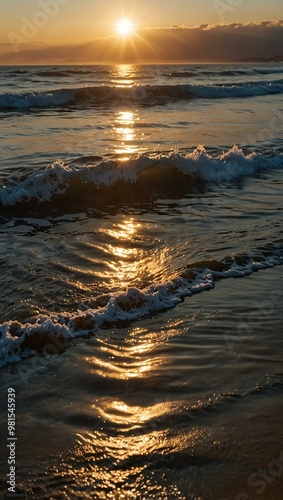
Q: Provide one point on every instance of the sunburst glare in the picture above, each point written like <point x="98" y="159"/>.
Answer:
<point x="125" y="27"/>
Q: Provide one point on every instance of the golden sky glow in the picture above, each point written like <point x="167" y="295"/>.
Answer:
<point x="75" y="20"/>
<point x="218" y="43"/>
<point x="84" y="31"/>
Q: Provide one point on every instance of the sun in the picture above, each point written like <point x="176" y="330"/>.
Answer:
<point x="125" y="27"/>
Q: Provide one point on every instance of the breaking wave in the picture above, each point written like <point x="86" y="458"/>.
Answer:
<point x="61" y="180"/>
<point x="146" y="95"/>
<point x="50" y="334"/>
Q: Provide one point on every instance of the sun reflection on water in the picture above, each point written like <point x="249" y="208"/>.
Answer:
<point x="131" y="431"/>
<point x="125" y="119"/>
<point x="119" y="465"/>
<point x="125" y="256"/>
<point x="122" y="462"/>
<point x="128" y="410"/>
<point x="126" y="259"/>
<point x="130" y="416"/>
<point x="124" y="75"/>
<point x="133" y="359"/>
<point x="133" y="256"/>
<point x="125" y="133"/>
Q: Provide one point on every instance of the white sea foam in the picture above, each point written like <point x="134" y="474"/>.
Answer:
<point x="55" y="180"/>
<point x="21" y="340"/>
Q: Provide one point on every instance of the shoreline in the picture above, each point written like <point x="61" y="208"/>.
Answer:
<point x="234" y="443"/>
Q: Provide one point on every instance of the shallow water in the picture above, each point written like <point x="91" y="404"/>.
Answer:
<point x="141" y="320"/>
<point x="186" y="404"/>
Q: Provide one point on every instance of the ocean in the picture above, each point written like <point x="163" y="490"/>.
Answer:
<point x="141" y="285"/>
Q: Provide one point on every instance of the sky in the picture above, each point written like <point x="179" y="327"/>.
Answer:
<point x="66" y="31"/>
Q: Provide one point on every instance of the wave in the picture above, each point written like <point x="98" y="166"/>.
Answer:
<point x="60" y="71"/>
<point x="247" y="89"/>
<point x="29" y="100"/>
<point x="50" y="74"/>
<point x="226" y="72"/>
<point x="190" y="74"/>
<point x="50" y="334"/>
<point x="143" y="94"/>
<point x="268" y="71"/>
<point x="62" y="181"/>
<point x="64" y="71"/>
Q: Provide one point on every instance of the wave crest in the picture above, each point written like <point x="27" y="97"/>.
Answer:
<point x="61" y="180"/>
<point x="146" y="95"/>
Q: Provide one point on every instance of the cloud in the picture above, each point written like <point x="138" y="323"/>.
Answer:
<point x="204" y="43"/>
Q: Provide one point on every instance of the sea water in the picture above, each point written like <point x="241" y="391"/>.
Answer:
<point x="131" y="198"/>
